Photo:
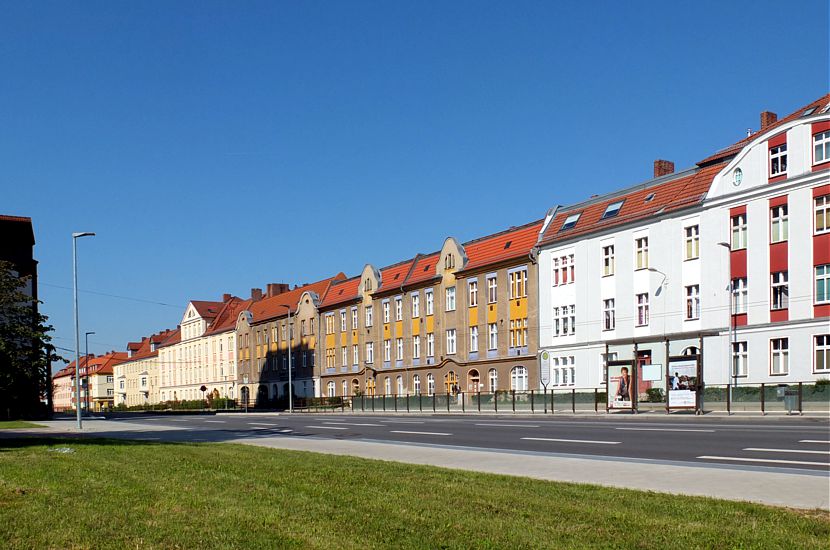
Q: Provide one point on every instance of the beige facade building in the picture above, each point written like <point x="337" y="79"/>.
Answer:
<point x="137" y="378"/>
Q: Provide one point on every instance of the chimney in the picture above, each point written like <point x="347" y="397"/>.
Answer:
<point x="226" y="297"/>
<point x="273" y="289"/>
<point x="663" y="168"/>
<point x="256" y="294"/>
<point x="768" y="119"/>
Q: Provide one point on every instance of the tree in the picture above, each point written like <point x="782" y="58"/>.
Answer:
<point x="26" y="353"/>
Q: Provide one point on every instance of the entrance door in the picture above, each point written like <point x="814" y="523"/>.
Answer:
<point x="473" y="380"/>
<point x="643" y="358"/>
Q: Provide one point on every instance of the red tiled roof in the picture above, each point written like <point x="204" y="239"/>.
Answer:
<point x="275" y="306"/>
<point x="394" y="276"/>
<point x="674" y="194"/>
<point x="226" y="319"/>
<point x="100" y="364"/>
<point x="145" y="349"/>
<point x="505" y="245"/>
<point x="207" y="309"/>
<point x="341" y="292"/>
<point x="21" y="219"/>
<point x="424" y="269"/>
<point x="732" y="150"/>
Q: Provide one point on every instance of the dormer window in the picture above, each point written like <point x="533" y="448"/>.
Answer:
<point x="367" y="285"/>
<point x="612" y="210"/>
<point x="570" y="221"/>
<point x="449" y="261"/>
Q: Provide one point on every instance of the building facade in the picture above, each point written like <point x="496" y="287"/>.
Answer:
<point x="97" y="383"/>
<point x="644" y="274"/>
<point x="137" y="378"/>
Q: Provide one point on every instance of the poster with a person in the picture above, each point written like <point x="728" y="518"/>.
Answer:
<point x="682" y="384"/>
<point x="620" y="386"/>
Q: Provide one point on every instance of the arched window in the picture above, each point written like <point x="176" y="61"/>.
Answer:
<point x="430" y="384"/>
<point x="518" y="379"/>
<point x="344" y="388"/>
<point x="387" y="386"/>
<point x="416" y="384"/>
<point x="355" y="386"/>
<point x="691" y="350"/>
<point x="473" y="380"/>
<point x="399" y="381"/>
<point x="493" y="377"/>
<point x="370" y="386"/>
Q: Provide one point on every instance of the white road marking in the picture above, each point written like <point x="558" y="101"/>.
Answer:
<point x="403" y="421"/>
<point x="572" y="440"/>
<point x="510" y="425"/>
<point x="286" y="431"/>
<point x="805" y="451"/>
<point x="813" y="441"/>
<point x="767" y="460"/>
<point x="665" y="430"/>
<point x="351" y="424"/>
<point x="326" y="428"/>
<point x="178" y="420"/>
<point x="418" y="433"/>
<point x="215" y="421"/>
<point x="261" y="424"/>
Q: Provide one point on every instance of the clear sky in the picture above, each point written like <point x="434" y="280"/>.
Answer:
<point x="219" y="146"/>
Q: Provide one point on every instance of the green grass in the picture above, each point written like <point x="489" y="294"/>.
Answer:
<point x="109" y="494"/>
<point x="17" y="424"/>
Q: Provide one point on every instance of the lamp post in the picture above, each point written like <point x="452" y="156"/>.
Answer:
<point x="86" y="366"/>
<point x="290" y="380"/>
<point x="731" y="344"/>
<point x="75" y="237"/>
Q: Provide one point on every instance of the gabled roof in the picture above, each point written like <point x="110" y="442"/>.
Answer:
<point x="392" y="277"/>
<point x="341" y="292"/>
<point x="735" y="148"/>
<point x="207" y="309"/>
<point x="424" y="269"/>
<point x="144" y="349"/>
<point x="664" y="194"/>
<point x="275" y="306"/>
<point x="100" y="364"/>
<point x="226" y="319"/>
<point x="515" y="242"/>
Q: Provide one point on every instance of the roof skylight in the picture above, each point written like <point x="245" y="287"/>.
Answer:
<point x="649" y="197"/>
<point x="612" y="210"/>
<point x="570" y="221"/>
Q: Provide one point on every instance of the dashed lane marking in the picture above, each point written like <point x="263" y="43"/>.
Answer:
<point x="572" y="440"/>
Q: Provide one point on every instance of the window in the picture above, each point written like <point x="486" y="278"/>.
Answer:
<point x="398" y="308"/>
<point x="612" y="210"/>
<point x="399" y="349"/>
<point x="387" y="350"/>
<point x="387" y="386"/>
<point x="822" y="284"/>
<point x="642" y="310"/>
<point x="563" y="270"/>
<point x="607" y="260"/>
<point x="416" y="305"/>
<point x="450" y="305"/>
<point x="570" y="221"/>
<point x="343" y="321"/>
<point x="692" y="242"/>
<point x="474" y="339"/>
<point x="518" y="284"/>
<point x="564" y="320"/>
<point x="472" y="293"/>
<point x="416" y="347"/>
<point x="493" y="378"/>
<point x="739" y="295"/>
<point x="780" y="356"/>
<point x="492" y="336"/>
<point x="355" y="355"/>
<point x="370" y="352"/>
<point x="385" y="307"/>
<point x="692" y="302"/>
<point x="821" y="147"/>
<point x="822" y="208"/>
<point x="354" y="318"/>
<point x="739" y="359"/>
<point x="491" y="290"/>
<point x="430" y="384"/>
<point x="739" y="232"/>
<point x="367" y="285"/>
<point x="430" y="302"/>
<point x="110" y="392"/>
<point x="329" y="323"/>
<point x="779" y="224"/>
<point x="430" y="345"/>
<point x="610" y="318"/>
<point x="344" y="388"/>
<point x="778" y="160"/>
<point x="518" y="333"/>
<point x="344" y="356"/>
<point x="641" y="244"/>
<point x="780" y="290"/>
<point x="121" y="384"/>
<point x="332" y="390"/>
<point x="821" y="346"/>
<point x="518" y="379"/>
<point x="109" y="379"/>
<point x="399" y="384"/>
<point x="416" y="383"/>
<point x="450" y="341"/>
<point x="368" y="316"/>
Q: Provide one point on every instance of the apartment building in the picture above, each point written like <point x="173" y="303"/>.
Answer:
<point x="137" y="378"/>
<point x="460" y="319"/>
<point x="644" y="274"/>
<point x="282" y="324"/>
<point x="97" y="383"/>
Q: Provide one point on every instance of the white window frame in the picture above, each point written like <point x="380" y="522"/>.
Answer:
<point x="492" y="289"/>
<point x="821" y="348"/>
<point x="608" y="262"/>
<point x="474" y="338"/>
<point x="778" y="160"/>
<point x="642" y="304"/>
<point x="451" y="341"/>
<point x="387" y="350"/>
<point x="355" y="354"/>
<point x="369" y="316"/>
<point x="399" y="349"/>
<point x="738" y="225"/>
<point x="370" y="352"/>
<point x="692" y="302"/>
<point x="821" y="214"/>
<point x="821" y="143"/>
<point x="518" y="378"/>
<point x="492" y="336"/>
<point x="430" y="384"/>
<point x="779" y="224"/>
<point x="344" y="356"/>
<point x="354" y="319"/>
<point x="493" y="380"/>
<point x="779" y="290"/>
<point x="472" y="293"/>
<point x="430" y="344"/>
<point x="692" y="250"/>
<point x="386" y="311"/>
<point x="450" y="298"/>
<point x="609" y="314"/>
<point x="399" y="308"/>
<point x="430" y="299"/>
<point x="416" y="305"/>
<point x="641" y="253"/>
<point x="739" y="295"/>
<point x="739" y="360"/>
<point x="821" y="274"/>
<point x="779" y="364"/>
<point x="416" y="347"/>
<point x="343" y="320"/>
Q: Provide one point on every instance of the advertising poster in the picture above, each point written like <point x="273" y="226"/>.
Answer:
<point x="682" y="384"/>
<point x="620" y="386"/>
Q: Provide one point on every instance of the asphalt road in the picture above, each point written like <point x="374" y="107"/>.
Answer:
<point x="765" y="443"/>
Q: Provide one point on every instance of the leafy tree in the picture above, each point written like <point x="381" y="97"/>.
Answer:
<point x="25" y="350"/>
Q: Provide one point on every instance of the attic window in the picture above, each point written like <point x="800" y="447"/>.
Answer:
<point x="507" y="244"/>
<point x="340" y="293"/>
<point x="809" y="111"/>
<point x="570" y="221"/>
<point x="426" y="268"/>
<point x="396" y="276"/>
<point x="649" y="197"/>
<point x="826" y="107"/>
<point x="612" y="210"/>
<point x="449" y="261"/>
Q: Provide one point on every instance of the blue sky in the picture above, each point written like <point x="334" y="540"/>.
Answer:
<point x="218" y="146"/>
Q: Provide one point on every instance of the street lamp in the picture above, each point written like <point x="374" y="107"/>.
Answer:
<point x="290" y="381"/>
<point x="75" y="237"/>
<point x="731" y="345"/>
<point x="86" y="365"/>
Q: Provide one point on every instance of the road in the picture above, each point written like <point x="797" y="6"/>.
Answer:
<point x="765" y="444"/>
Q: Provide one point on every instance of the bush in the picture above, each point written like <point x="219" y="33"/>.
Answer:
<point x="655" y="395"/>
